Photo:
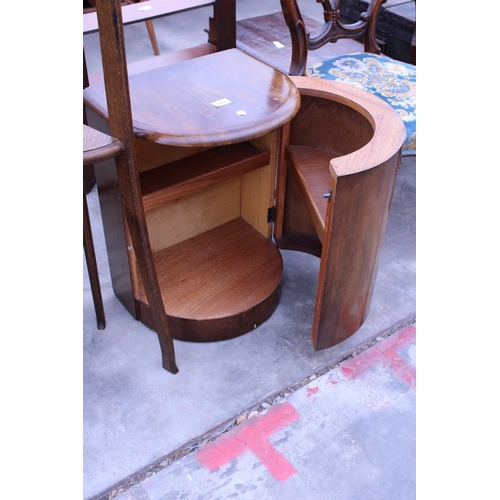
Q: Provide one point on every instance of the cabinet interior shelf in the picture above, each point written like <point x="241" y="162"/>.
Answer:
<point x="216" y="280"/>
<point x="188" y="175"/>
<point x="310" y="170"/>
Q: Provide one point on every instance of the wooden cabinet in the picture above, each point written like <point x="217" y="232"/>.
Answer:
<point x="334" y="197"/>
<point x="207" y="217"/>
<point x="207" y="174"/>
<point x="323" y="155"/>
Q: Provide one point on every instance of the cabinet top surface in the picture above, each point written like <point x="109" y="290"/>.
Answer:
<point x="221" y="98"/>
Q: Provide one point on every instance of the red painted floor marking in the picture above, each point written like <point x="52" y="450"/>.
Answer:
<point x="401" y="368"/>
<point x="311" y="390"/>
<point x="252" y="436"/>
<point x="386" y="352"/>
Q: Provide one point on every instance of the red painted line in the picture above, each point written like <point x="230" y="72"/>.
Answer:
<point x="408" y="334"/>
<point x="311" y="390"/>
<point x="401" y="368"/>
<point x="252" y="436"/>
<point x="275" y="462"/>
<point x="386" y="352"/>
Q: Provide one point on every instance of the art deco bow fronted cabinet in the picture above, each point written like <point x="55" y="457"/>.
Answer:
<point x="237" y="160"/>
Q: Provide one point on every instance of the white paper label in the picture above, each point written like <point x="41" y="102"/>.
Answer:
<point x="221" y="102"/>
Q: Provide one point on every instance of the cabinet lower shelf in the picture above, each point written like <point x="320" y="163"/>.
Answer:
<point x="217" y="285"/>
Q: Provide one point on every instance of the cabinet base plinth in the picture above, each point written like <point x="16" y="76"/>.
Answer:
<point x="214" y="330"/>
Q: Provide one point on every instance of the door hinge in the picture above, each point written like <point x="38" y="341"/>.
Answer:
<point x="271" y="214"/>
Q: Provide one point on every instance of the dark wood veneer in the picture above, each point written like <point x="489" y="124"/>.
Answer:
<point x="347" y="141"/>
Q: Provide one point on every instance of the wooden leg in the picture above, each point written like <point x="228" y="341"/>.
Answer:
<point x="88" y="170"/>
<point x="88" y="178"/>
<point x="222" y="26"/>
<point x="114" y="63"/>
<point x="152" y="36"/>
<point x="88" y="245"/>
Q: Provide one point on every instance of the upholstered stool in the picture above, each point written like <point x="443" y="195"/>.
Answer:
<point x="391" y="80"/>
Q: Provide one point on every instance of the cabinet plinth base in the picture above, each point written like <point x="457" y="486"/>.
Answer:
<point x="218" y="285"/>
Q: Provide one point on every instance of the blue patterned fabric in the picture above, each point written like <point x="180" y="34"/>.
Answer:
<point x="393" y="81"/>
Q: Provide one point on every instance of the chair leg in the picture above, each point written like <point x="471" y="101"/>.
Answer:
<point x="152" y="36"/>
<point x="88" y="245"/>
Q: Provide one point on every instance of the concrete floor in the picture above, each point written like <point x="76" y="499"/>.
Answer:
<point x="349" y="433"/>
<point x="139" y="417"/>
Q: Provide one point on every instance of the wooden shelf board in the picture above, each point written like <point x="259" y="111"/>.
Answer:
<point x="310" y="170"/>
<point x="222" y="273"/>
<point x="188" y="175"/>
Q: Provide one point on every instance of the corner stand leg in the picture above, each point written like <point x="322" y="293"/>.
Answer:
<point x="112" y="43"/>
<point x="136" y="223"/>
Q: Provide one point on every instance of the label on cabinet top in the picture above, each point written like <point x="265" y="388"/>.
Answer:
<point x="220" y="102"/>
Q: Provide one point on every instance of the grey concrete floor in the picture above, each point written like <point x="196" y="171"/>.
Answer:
<point x="349" y="433"/>
<point x="135" y="413"/>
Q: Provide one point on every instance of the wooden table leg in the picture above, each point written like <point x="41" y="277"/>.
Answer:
<point x="88" y="245"/>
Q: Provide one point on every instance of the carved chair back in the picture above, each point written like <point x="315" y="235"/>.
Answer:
<point x="332" y="30"/>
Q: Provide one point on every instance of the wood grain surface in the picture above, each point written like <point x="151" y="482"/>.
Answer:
<point x="174" y="105"/>
<point x="221" y="278"/>
<point x="347" y="141"/>
<point x="98" y="146"/>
